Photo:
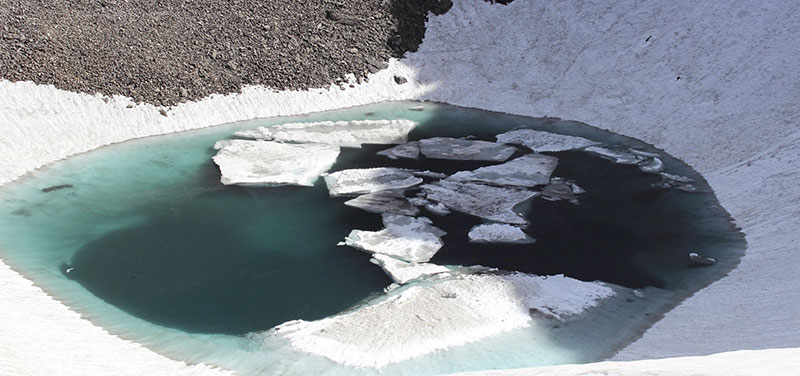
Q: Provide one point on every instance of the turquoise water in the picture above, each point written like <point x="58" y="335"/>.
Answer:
<point x="160" y="252"/>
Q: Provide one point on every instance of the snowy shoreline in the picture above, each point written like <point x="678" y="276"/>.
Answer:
<point x="733" y="123"/>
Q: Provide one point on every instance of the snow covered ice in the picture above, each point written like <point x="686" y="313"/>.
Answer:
<point x="389" y="201"/>
<point x="491" y="203"/>
<point x="406" y="238"/>
<point x="369" y="180"/>
<point x="402" y="272"/>
<point x="343" y="133"/>
<point x="540" y="141"/>
<point x="499" y="233"/>
<point x="410" y="322"/>
<point x="246" y="162"/>
<point x="526" y="171"/>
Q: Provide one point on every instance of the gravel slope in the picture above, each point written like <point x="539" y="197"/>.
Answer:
<point x="169" y="51"/>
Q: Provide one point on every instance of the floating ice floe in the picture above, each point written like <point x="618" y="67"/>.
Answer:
<point x="437" y="208"/>
<point x="539" y="141"/>
<point x="406" y="238"/>
<point x="499" y="233"/>
<point x="343" y="133"/>
<point x="676" y="181"/>
<point x="402" y="272"/>
<point x="369" y="180"/>
<point x="390" y="201"/>
<point x="452" y="311"/>
<point x="526" y="171"/>
<point x="451" y="148"/>
<point x="617" y="156"/>
<point x="491" y="203"/>
<point x="647" y="162"/>
<point x="559" y="190"/>
<point x="408" y="150"/>
<point x="244" y="162"/>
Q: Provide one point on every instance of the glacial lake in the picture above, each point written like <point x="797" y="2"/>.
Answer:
<point x="142" y="239"/>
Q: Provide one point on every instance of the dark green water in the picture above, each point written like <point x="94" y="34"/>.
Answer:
<point x="147" y="228"/>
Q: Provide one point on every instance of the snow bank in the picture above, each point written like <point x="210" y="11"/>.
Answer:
<point x="452" y="311"/>
<point x="342" y="133"/>
<point x="273" y="163"/>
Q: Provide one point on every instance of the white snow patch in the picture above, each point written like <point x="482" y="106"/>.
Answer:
<point x="342" y="133"/>
<point x="451" y="312"/>
<point x="369" y="180"/>
<point x="499" y="233"/>
<point x="492" y="203"/>
<point x="243" y="162"/>
<point x="402" y="272"/>
<point x="526" y="171"/>
<point x="406" y="238"/>
<point x="540" y="141"/>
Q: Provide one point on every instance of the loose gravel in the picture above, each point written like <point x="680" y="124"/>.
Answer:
<point x="169" y="51"/>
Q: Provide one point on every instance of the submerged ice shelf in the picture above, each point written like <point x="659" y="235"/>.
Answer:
<point x="343" y="133"/>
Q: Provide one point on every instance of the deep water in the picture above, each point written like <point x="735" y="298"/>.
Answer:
<point x="141" y="238"/>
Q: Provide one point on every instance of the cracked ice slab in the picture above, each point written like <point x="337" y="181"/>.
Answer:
<point x="342" y="133"/>
<point x="390" y="201"/>
<point x="526" y="171"/>
<point x="499" y="233"/>
<point x="491" y="203"/>
<point x="540" y="141"/>
<point x="458" y="149"/>
<point x="244" y="162"/>
<point x="369" y="180"/>
<point x="406" y="238"/>
<point x="408" y="150"/>
<point x="402" y="272"/>
<point x="410" y="322"/>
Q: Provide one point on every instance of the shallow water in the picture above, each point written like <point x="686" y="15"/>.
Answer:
<point x="160" y="252"/>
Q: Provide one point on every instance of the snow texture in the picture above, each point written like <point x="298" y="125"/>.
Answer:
<point x="716" y="86"/>
<point x="406" y="238"/>
<point x="419" y="320"/>
<point x="369" y="180"/>
<point x="526" y="171"/>
<point x="499" y="233"/>
<point x="342" y="133"/>
<point x="244" y="162"/>
<point x="390" y="201"/>
<point x="464" y="150"/>
<point x="487" y="202"/>
<point x="402" y="272"/>
<point x="540" y="141"/>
